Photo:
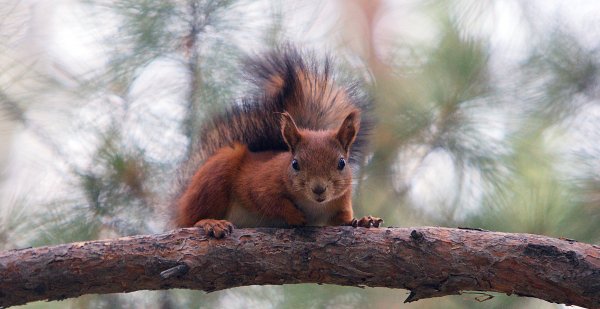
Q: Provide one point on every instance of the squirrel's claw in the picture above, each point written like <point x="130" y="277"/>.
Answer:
<point x="367" y="222"/>
<point x="215" y="228"/>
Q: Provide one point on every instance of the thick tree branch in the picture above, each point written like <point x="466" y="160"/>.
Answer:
<point x="428" y="261"/>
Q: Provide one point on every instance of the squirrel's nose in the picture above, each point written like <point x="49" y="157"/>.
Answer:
<point x="318" y="189"/>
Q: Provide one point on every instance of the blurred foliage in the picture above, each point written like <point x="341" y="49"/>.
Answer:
<point x="465" y="135"/>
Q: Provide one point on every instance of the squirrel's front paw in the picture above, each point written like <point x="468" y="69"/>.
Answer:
<point x="295" y="218"/>
<point x="367" y="222"/>
<point x="215" y="228"/>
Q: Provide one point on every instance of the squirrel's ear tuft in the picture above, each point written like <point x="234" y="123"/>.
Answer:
<point x="348" y="130"/>
<point x="289" y="131"/>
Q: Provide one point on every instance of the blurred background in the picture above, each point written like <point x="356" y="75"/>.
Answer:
<point x="488" y="116"/>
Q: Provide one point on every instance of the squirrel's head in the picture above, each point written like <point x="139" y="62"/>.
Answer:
<point x="318" y="168"/>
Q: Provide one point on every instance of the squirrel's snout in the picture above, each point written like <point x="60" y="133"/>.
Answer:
<point x="319" y="189"/>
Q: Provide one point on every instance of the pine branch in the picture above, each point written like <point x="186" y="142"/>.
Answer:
<point x="428" y="261"/>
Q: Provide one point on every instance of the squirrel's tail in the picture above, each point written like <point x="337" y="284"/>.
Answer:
<point x="287" y="80"/>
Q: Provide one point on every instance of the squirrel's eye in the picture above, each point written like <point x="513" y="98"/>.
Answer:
<point x="341" y="164"/>
<point x="295" y="165"/>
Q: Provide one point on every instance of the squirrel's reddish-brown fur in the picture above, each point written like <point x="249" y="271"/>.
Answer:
<point x="279" y="158"/>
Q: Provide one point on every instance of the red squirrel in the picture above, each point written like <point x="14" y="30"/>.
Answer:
<point x="282" y="157"/>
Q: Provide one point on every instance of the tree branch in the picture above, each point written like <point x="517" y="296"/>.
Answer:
<point x="428" y="261"/>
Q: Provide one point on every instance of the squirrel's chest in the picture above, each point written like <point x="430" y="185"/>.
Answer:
<point x="316" y="215"/>
<point x="242" y="217"/>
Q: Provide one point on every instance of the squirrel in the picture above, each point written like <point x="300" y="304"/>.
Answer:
<point x="283" y="156"/>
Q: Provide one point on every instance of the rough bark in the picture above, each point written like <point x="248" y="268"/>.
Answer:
<point x="428" y="261"/>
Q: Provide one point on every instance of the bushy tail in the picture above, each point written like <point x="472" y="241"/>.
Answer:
<point x="287" y="80"/>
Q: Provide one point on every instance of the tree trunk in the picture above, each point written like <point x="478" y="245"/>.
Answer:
<point x="428" y="261"/>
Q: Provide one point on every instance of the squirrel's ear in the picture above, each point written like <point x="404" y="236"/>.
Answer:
<point x="348" y="130"/>
<point x="289" y="131"/>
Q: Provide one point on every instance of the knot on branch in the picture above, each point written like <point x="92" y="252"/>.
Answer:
<point x="176" y="271"/>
